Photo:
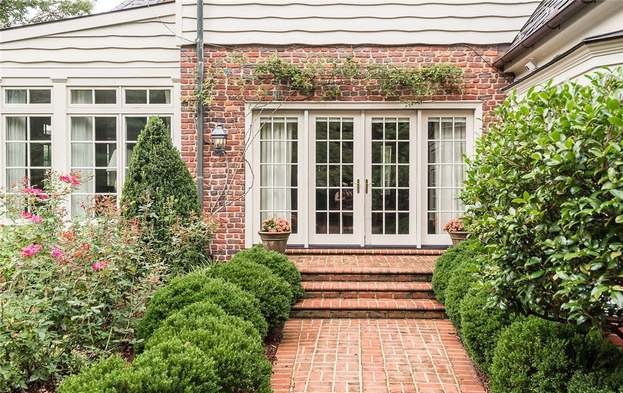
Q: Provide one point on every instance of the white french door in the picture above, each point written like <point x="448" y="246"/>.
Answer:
<point x="359" y="178"/>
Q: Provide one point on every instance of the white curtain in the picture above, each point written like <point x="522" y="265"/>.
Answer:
<point x="276" y="176"/>
<point x="16" y="155"/>
<point x="82" y="96"/>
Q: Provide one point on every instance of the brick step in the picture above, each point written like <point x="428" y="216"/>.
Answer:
<point x="367" y="276"/>
<point x="367" y="290"/>
<point x="368" y="308"/>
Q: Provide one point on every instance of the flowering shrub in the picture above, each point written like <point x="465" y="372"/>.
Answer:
<point x="69" y="292"/>
<point x="275" y="225"/>
<point x="454" y="225"/>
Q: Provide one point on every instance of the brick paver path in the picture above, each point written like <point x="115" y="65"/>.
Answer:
<point x="373" y="355"/>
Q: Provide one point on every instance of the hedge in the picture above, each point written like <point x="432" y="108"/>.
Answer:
<point x="105" y="376"/>
<point x="196" y="287"/>
<point x="448" y="261"/>
<point x="239" y="359"/>
<point x="481" y="325"/>
<point x="597" y="382"/>
<point x="174" y="366"/>
<point x="532" y="355"/>
<point x="278" y="263"/>
<point x="462" y="278"/>
<point x="272" y="291"/>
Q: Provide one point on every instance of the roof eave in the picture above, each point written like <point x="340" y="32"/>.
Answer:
<point x="529" y="41"/>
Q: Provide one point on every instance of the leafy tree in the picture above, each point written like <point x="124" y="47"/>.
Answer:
<point x="546" y="194"/>
<point x="20" y="12"/>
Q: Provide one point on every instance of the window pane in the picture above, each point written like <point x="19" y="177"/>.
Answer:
<point x="159" y="96"/>
<point x="81" y="155"/>
<point x="16" y="128"/>
<point x="15" y="177"/>
<point x="105" y="96"/>
<point x="106" y="155"/>
<point x="16" y="154"/>
<point x="81" y="128"/>
<point x="105" y="128"/>
<point x="81" y="96"/>
<point x="40" y="128"/>
<point x="136" y="96"/>
<point x="40" y="96"/>
<point x="134" y="125"/>
<point x="105" y="181"/>
<point x="37" y="176"/>
<point x="40" y="154"/>
<point x="15" y="96"/>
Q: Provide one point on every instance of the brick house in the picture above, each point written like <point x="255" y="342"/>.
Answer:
<point x="354" y="169"/>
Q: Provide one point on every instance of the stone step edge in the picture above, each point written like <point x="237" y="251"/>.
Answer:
<point x="364" y="251"/>
<point x="368" y="314"/>
<point x="418" y="306"/>
<point x="360" y="270"/>
<point x="366" y="286"/>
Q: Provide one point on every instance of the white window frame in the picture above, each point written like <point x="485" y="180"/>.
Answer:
<point x="418" y="177"/>
<point x="27" y="103"/>
<point x="147" y="89"/>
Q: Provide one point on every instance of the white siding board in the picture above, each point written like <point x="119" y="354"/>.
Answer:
<point x="281" y="22"/>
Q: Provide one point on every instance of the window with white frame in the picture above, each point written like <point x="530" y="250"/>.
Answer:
<point x="446" y="170"/>
<point x="28" y="149"/>
<point x="27" y="96"/>
<point x="148" y="96"/>
<point x="93" y="96"/>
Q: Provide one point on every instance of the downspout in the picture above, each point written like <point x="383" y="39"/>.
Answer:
<point x="200" y="113"/>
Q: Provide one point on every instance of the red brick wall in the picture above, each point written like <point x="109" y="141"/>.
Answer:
<point x="229" y="69"/>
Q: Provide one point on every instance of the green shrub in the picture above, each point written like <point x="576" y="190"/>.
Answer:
<point x="239" y="358"/>
<point x="532" y="356"/>
<point x="481" y="325"/>
<point x="194" y="315"/>
<point x="272" y="291"/>
<point x="195" y="287"/>
<point x="106" y="376"/>
<point x="278" y="263"/>
<point x="545" y="191"/>
<point x="448" y="261"/>
<point x="174" y="366"/>
<point x="597" y="382"/>
<point x="157" y="172"/>
<point x="463" y="277"/>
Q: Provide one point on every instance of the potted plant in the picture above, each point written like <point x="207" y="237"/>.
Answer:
<point x="456" y="230"/>
<point x="275" y="233"/>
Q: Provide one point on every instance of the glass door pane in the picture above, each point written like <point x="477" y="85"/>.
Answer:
<point x="334" y="175"/>
<point x="390" y="163"/>
<point x="445" y="151"/>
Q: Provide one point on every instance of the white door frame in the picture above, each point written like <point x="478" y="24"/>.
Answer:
<point x="306" y="111"/>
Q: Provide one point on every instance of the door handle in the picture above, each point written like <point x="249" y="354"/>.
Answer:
<point x="366" y="186"/>
<point x="357" y="186"/>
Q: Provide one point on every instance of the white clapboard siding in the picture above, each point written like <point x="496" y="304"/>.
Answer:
<point x="325" y="22"/>
<point x="143" y="37"/>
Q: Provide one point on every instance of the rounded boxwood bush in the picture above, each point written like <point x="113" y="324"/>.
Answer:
<point x="195" y="287"/>
<point x="448" y="261"/>
<point x="481" y="325"/>
<point x="278" y="263"/>
<point x="597" y="382"/>
<point x="194" y="316"/>
<point x="105" y="376"/>
<point x="532" y="355"/>
<point x="174" y="366"/>
<point x="464" y="276"/>
<point x="272" y="291"/>
<point x="239" y="359"/>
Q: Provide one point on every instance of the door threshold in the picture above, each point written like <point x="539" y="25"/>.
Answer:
<point x="342" y="250"/>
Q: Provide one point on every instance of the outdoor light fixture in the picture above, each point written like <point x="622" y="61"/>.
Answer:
<point x="219" y="137"/>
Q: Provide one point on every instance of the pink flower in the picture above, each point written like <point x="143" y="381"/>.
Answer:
<point x="99" y="265"/>
<point x="70" y="179"/>
<point x="31" y="250"/>
<point x="57" y="253"/>
<point x="36" y="192"/>
<point x="36" y="219"/>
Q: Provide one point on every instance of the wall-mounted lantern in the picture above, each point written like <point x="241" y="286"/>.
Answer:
<point x="219" y="137"/>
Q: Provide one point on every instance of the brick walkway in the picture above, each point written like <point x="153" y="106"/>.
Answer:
<point x="329" y="349"/>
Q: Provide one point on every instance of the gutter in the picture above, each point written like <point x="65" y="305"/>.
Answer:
<point x="200" y="113"/>
<point x="552" y="24"/>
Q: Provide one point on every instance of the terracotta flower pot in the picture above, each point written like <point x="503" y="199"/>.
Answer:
<point x="276" y="241"/>
<point x="458" y="236"/>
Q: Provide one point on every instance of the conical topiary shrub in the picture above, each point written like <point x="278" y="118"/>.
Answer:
<point x="158" y="177"/>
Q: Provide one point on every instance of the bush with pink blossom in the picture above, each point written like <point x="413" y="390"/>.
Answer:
<point x="70" y="291"/>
